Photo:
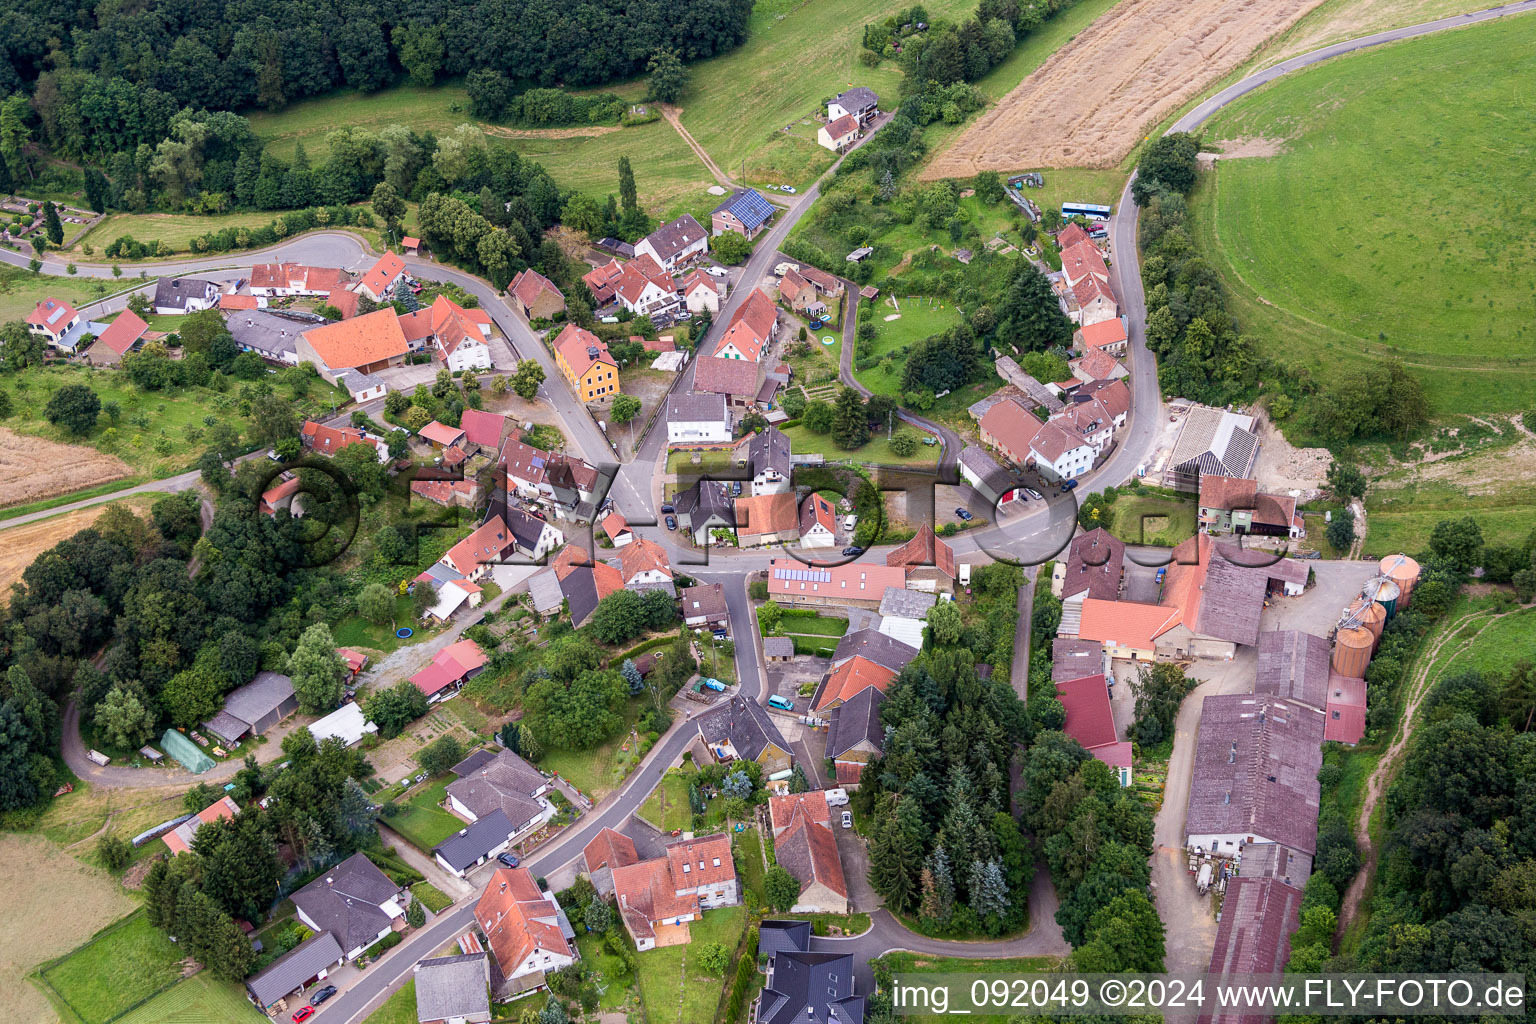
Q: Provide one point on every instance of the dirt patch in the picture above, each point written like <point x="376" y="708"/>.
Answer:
<point x="1096" y="97"/>
<point x="1237" y="149"/>
<point x="548" y="133"/>
<point x="1282" y="467"/>
<point x="26" y="542"/>
<point x="33" y="468"/>
<point x="42" y="884"/>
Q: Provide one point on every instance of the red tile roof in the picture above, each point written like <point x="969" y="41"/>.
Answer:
<point x="284" y="275"/>
<point x="1012" y="425"/>
<point x="1090" y="720"/>
<point x="641" y="555"/>
<point x="344" y="301"/>
<point x="1090" y="288"/>
<point x="1083" y="259"/>
<point x="383" y="273"/>
<point x="736" y="377"/>
<point x="1071" y="235"/>
<point x="450" y="665"/>
<point x="639" y="272"/>
<point x="1105" y="332"/>
<point x="330" y="440"/>
<point x="758" y="312"/>
<point x="698" y="279"/>
<point x="808" y="850"/>
<point x="646" y="895"/>
<point x="699" y="856"/>
<point x="223" y="807"/>
<point x="231" y="301"/>
<point x="602" y="281"/>
<point x="517" y="919"/>
<point x="851" y="678"/>
<point x="609" y="849"/>
<point x="758" y="515"/>
<point x="355" y="659"/>
<point x="745" y="340"/>
<point x="483" y="428"/>
<point x="845" y="125"/>
<point x="441" y="433"/>
<point x="52" y="314"/>
<point x="854" y="581"/>
<point x="664" y="344"/>
<point x="120" y="335"/>
<point x="573" y="344"/>
<point x="1125" y="623"/>
<point x="1097" y="364"/>
<point x="530" y="284"/>
<point x="272" y="495"/>
<point x="923" y="549"/>
<point x="486" y="545"/>
<point x="360" y="341"/>
<point x="813" y="804"/>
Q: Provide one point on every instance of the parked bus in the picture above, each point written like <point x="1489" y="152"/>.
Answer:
<point x="1092" y="212"/>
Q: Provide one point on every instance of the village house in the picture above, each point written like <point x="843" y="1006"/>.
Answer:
<point x="536" y="296"/>
<point x="764" y="519"/>
<point x="532" y="537"/>
<point x="449" y="669"/>
<point x="839" y="133"/>
<point x="1084" y="270"/>
<point x="805" y="846"/>
<point x="928" y="561"/>
<point x="739" y="342"/>
<point x="121" y="336"/>
<point x="855" y="735"/>
<point x="675" y="243"/>
<point x="354" y="901"/>
<point x="1097" y="364"/>
<point x="739" y="729"/>
<point x="800" y="294"/>
<point x="1060" y="453"/>
<point x="1093" y="568"/>
<point x="736" y="379"/>
<point x="459" y="337"/>
<point x="270" y="280"/>
<point x="704" y="606"/>
<point x="502" y="783"/>
<point x="584" y="360"/>
<point x="872" y="645"/>
<point x="57" y="321"/>
<point x="1212" y="441"/>
<point x="696" y="420"/>
<point x="474" y="556"/>
<point x="643" y="287"/>
<point x="361" y="345"/>
<point x="1091" y="722"/>
<point x="607" y="850"/>
<point x="523" y="927"/>
<point x="850" y="679"/>
<point x="701" y="293"/>
<point x="658" y="898"/>
<point x="270" y="335"/>
<point x="818" y="522"/>
<point x="1104" y="336"/>
<point x="308" y="963"/>
<point x="1010" y="428"/>
<point x="584" y="583"/>
<point x="1233" y="505"/>
<point x="745" y="211"/>
<point x="767" y="457"/>
<point x="180" y="838"/>
<point x="644" y="566"/>
<point x="859" y="584"/>
<point x="282" y="495"/>
<point x="704" y="508"/>
<point x="803" y="987"/>
<point x="981" y="471"/>
<point x="324" y="440"/>
<point x="381" y="278"/>
<point x="526" y="468"/>
<point x="453" y="989"/>
<point x="903" y="614"/>
<point x="616" y="528"/>
<point x="603" y="282"/>
<point x="859" y="103"/>
<point x="184" y="295"/>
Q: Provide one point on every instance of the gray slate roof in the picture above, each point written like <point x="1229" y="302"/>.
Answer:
<point x="705" y="500"/>
<point x="1216" y="441"/>
<point x="856" y="721"/>
<point x="175" y="292"/>
<point x="1271" y="860"/>
<point x="346" y="900"/>
<point x="694" y="407"/>
<point x="265" y="333"/>
<point x="783" y="936"/>
<point x="1293" y="664"/>
<point x="544" y="588"/>
<point x="876" y="646"/>
<point x="474" y="762"/>
<point x="778" y="647"/>
<point x="507" y="783"/>
<point x="259" y="697"/>
<point x="769" y="449"/>
<point x="467" y="846"/>
<point x="525" y="529"/>
<point x="1074" y="659"/>
<point x="453" y="986"/>
<point x="907" y="604"/>
<point x="811" y="988"/>
<point x="675" y="236"/>
<point x="858" y="98"/>
<point x="1255" y="771"/>
<point x="294" y="968"/>
<point x="1094" y="564"/>
<point x="744" y="723"/>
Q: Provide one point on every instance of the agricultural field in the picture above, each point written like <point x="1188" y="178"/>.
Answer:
<point x="1416" y="242"/>
<point x="900" y="324"/>
<point x="35" y="468"/>
<point x="667" y="1002"/>
<point x="1336" y="20"/>
<point x="114" y="973"/>
<point x="24" y="543"/>
<point x="21" y="291"/>
<point x="42" y="883"/>
<point x="1089" y="103"/>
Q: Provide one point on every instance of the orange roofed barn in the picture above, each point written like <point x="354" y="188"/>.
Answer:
<point x="584" y="360"/>
<point x="522" y="925"/>
<point x="860" y="584"/>
<point x="657" y="898"/>
<point x="365" y="344"/>
<point x="180" y="838"/>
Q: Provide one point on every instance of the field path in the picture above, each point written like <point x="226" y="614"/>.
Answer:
<point x="1386" y="768"/>
<point x="549" y="133"/>
<point x="674" y="118"/>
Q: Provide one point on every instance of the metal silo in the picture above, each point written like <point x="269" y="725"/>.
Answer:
<point x="1352" y="651"/>
<point x="1370" y="614"/>
<point x="1385" y="592"/>
<point x="1403" y="571"/>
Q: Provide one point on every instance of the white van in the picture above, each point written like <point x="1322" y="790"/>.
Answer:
<point x="850" y="521"/>
<point x="837" y="797"/>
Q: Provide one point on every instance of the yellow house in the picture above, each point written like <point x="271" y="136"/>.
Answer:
<point x="583" y="357"/>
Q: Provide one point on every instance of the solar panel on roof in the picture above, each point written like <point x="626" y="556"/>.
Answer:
<point x="808" y="575"/>
<point x="538" y="463"/>
<point x="54" y="316"/>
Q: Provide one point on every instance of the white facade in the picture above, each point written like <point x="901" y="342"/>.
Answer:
<point x="699" y="431"/>
<point x="651" y="298"/>
<point x="541" y="959"/>
<point x="769" y="481"/>
<point x="1073" y="462"/>
<point x="549" y="539"/>
<point x="702" y="298"/>
<point x="828" y="142"/>
<point x="469" y="355"/>
<point x="697" y="247"/>
<point x="647" y="576"/>
<point x="817" y="536"/>
<point x="547" y="811"/>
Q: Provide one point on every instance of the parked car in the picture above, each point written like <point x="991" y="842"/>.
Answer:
<point x="717" y="271"/>
<point x="667" y="507"/>
<point x="789" y="188"/>
<point x="1034" y="494"/>
<point x="1067" y="485"/>
<point x="509" y="859"/>
<point x="930" y="440"/>
<point x="852" y="550"/>
<point x="322" y="995"/>
<point x="847" y="819"/>
<point x="671" y="522"/>
<point x="782" y="703"/>
<point x="684" y="315"/>
<point x="721" y="634"/>
<point x="1161" y="573"/>
<point x="735" y="488"/>
<point x="304" y="1013"/>
<point x="964" y="514"/>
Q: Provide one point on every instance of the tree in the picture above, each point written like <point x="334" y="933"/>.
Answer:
<point x="625" y="408"/>
<point x="52" y="227"/>
<point x="629" y="196"/>
<point x="944" y="626"/>
<point x="989" y="187"/>
<point x="579" y="714"/>
<point x="713" y="958"/>
<point x="1345" y="480"/>
<point x="115" y="852"/>
<point x="240" y="866"/>
<point x="415" y="913"/>
<point x="730" y="248"/>
<point x="192" y="696"/>
<point x="437" y="757"/>
<point x="780" y="889"/>
<point x="1167" y="162"/>
<point x="668" y="76"/>
<point x="618" y="617"/>
<point x="903" y="443"/>
<point x="376" y="603"/>
<point x="318" y="672"/>
<point x="395" y="708"/>
<point x="850" y="426"/>
<point x="73" y="407"/>
<point x="798" y="783"/>
<point x="124" y="718"/>
<point x="527" y="378"/>
<point x="769" y="615"/>
<point x="272" y="420"/>
<point x="1159" y="690"/>
<point x="1030" y="316"/>
<point x="1124" y="934"/>
<point x="818" y="416"/>
<point x="388" y="205"/>
<point x="597" y="917"/>
<point x="420" y="51"/>
<point x="1458" y="542"/>
<point x="1341" y="531"/>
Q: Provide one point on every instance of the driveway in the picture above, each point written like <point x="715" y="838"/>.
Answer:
<point x="854" y="851"/>
<point x="451" y="884"/>
<point x="1318" y="610"/>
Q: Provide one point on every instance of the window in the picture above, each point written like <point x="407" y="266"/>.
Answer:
<point x="717" y="862"/>
<point x="687" y="868"/>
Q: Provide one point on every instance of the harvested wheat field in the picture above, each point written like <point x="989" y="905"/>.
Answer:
<point x="24" y="543"/>
<point x="1091" y="103"/>
<point x="33" y="468"/>
<point x="44" y="886"/>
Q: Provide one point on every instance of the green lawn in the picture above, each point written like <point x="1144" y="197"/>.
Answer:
<point x="660" y="970"/>
<point x="114" y="972"/>
<point x="1500" y="645"/>
<point x="356" y="631"/>
<point x="201" y="999"/>
<point x="1153" y="519"/>
<point x="175" y="229"/>
<point x="399" y="1008"/>
<point x="609" y="970"/>
<point x="21" y="291"/>
<point x="875" y="452"/>
<point x="916" y="317"/>
<point x="667" y="807"/>
<point x="682" y="464"/>
<point x="431" y="897"/>
<point x="913" y="963"/>
<point x="1400" y="517"/>
<point x="422" y="821"/>
<point x="749" y="865"/>
<point x="813" y="625"/>
<point x="1395" y="221"/>
<point x="598" y="771"/>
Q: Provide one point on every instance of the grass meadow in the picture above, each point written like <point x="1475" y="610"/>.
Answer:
<point x="1500" y="645"/>
<point x="1396" y="221"/>
<point x="698" y="995"/>
<point x="115" y="972"/>
<point x="918" y="317"/>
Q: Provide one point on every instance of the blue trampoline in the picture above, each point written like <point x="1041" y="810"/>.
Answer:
<point x="404" y="632"/>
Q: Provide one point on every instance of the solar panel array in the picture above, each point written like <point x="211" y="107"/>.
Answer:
<point x="751" y="208"/>
<point x="806" y="575"/>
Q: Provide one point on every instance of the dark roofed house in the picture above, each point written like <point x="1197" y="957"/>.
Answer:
<point x="254" y="708"/>
<point x="474" y="762"/>
<point x="1095" y="561"/>
<point x="453" y="989"/>
<point x="704" y="507"/>
<point x="506" y="783"/>
<point x="859" y="102"/>
<point x="744" y="211"/>
<point x="704" y="605"/>
<point x="775" y="937"/>
<point x="804" y="987"/>
<point x="768" y="458"/>
<point x="736" y="379"/>
<point x="353" y="900"/>
<point x="1255" y="774"/>
<point x="875" y="646"/>
<point x="184" y="295"/>
<point x="854" y="735"/>
<point x="470" y="847"/>
<point x="1295" y="665"/>
<point x="739" y="729"/>
<point x="675" y="242"/>
<point x="1073" y="659"/>
<point x="310" y="961"/>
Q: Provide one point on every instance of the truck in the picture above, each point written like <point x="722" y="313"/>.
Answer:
<point x="1203" y="880"/>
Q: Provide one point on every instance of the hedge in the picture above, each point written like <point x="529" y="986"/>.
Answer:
<point x="813" y="645"/>
<point x="649" y="645"/>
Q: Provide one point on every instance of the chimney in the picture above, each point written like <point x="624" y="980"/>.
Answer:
<point x="1232" y="757"/>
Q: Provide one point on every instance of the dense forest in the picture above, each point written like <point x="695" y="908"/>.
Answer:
<point x="234" y="55"/>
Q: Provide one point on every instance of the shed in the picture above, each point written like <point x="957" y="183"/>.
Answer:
<point x="778" y="648"/>
<point x="346" y="723"/>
